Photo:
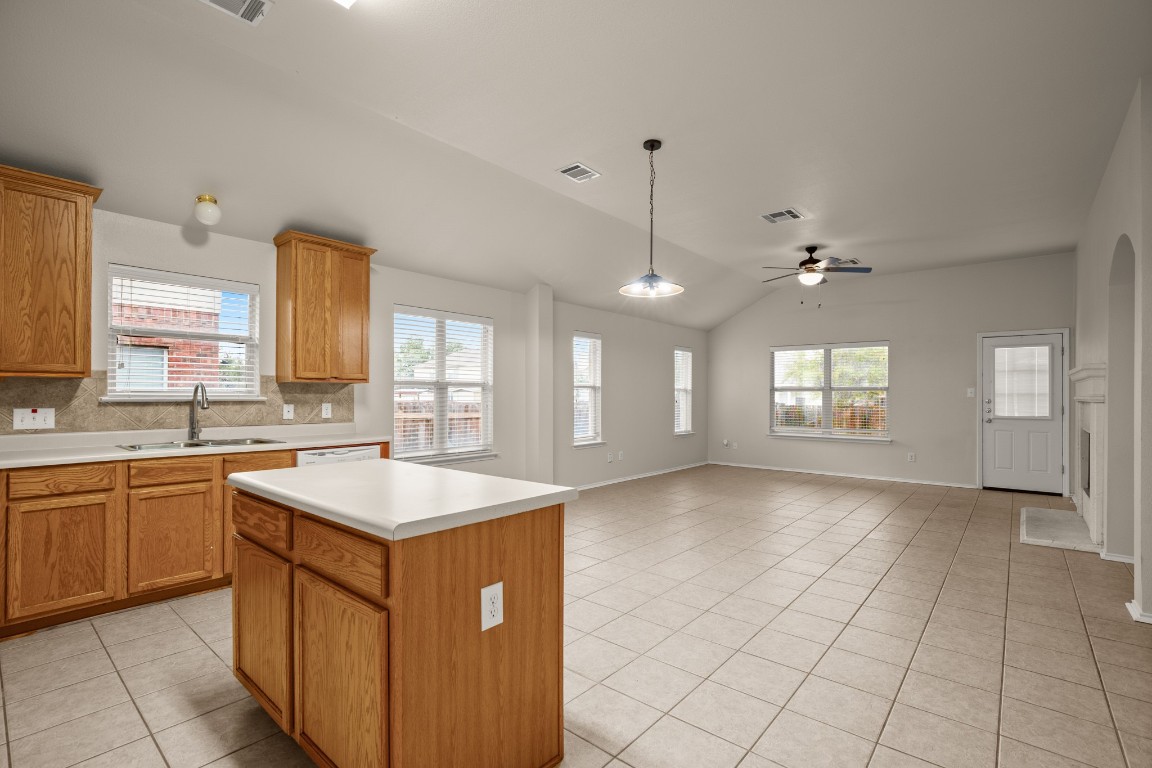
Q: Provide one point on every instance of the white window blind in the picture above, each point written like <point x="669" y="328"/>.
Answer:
<point x="585" y="388"/>
<point x="167" y="331"/>
<point x="682" y="384"/>
<point x="834" y="390"/>
<point x="442" y="394"/>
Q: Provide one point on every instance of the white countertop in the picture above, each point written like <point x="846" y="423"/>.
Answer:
<point x="79" y="454"/>
<point x="396" y="499"/>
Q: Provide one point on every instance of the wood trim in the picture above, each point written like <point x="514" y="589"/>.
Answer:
<point x="294" y="236"/>
<point x="178" y="469"/>
<point x="52" y="182"/>
<point x="32" y="482"/>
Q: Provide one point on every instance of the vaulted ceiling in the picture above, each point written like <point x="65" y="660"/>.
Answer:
<point x="914" y="134"/>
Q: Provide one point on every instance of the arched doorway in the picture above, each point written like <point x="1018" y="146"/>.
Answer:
<point x="1119" y="521"/>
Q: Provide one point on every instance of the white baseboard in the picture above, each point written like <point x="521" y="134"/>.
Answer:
<point x="1137" y="614"/>
<point x="845" y="474"/>
<point x="1118" y="558"/>
<point x="640" y="476"/>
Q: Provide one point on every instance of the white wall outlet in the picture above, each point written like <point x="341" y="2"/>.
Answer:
<point x="33" y="418"/>
<point x="620" y="456"/>
<point x="491" y="605"/>
<point x="325" y="410"/>
<point x="610" y="459"/>
<point x="734" y="445"/>
<point x="911" y="457"/>
<point x="726" y="444"/>
<point x="289" y="412"/>
<point x="971" y="391"/>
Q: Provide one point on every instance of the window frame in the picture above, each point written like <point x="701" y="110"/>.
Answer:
<point x="687" y="391"/>
<point x="595" y="390"/>
<point x="441" y="386"/>
<point x="250" y="340"/>
<point x="827" y="392"/>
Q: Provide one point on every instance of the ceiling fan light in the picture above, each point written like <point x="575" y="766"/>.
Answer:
<point x="810" y="278"/>
<point x="651" y="286"/>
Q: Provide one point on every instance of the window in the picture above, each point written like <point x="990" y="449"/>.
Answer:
<point x="585" y="388"/>
<point x="442" y="393"/>
<point x="168" y="331"/>
<point x="838" y="390"/>
<point x="1021" y="382"/>
<point x="682" y="383"/>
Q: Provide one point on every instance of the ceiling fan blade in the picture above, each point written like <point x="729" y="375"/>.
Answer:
<point x="779" y="278"/>
<point x="861" y="270"/>
<point x="831" y="261"/>
<point x="791" y="268"/>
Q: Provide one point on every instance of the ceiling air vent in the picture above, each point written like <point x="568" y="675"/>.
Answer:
<point x="251" y="11"/>
<point x="579" y="173"/>
<point x="784" y="214"/>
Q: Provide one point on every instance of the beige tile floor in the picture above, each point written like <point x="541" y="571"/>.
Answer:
<point x="715" y="617"/>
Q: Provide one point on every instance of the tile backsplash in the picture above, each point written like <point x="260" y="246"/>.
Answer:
<point x="78" y="406"/>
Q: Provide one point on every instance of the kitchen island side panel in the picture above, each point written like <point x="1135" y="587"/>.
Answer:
<point x="462" y="697"/>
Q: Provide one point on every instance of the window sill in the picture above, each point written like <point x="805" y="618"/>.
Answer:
<point x="450" y="458"/>
<point x="834" y="438"/>
<point x="592" y="444"/>
<point x="181" y="399"/>
<point x="683" y="434"/>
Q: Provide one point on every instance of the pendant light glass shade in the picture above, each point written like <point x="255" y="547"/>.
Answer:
<point x="651" y="285"/>
<point x="810" y="278"/>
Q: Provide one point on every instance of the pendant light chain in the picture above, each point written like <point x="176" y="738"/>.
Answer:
<point x="651" y="208"/>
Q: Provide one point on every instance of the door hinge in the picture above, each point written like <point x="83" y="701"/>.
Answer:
<point x="1061" y="469"/>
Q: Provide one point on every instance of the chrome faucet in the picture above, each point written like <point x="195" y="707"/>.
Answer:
<point x="193" y="417"/>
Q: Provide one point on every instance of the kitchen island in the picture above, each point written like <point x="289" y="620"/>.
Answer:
<point x="358" y="614"/>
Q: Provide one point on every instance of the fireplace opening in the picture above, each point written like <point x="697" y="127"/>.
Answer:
<point x="1086" y="461"/>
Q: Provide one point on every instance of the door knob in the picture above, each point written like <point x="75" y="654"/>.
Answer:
<point x="987" y="400"/>
<point x="987" y="421"/>
<point x="987" y="410"/>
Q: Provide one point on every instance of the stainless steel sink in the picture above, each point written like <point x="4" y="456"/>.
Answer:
<point x="178" y="444"/>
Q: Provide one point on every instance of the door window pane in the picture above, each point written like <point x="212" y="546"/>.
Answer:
<point x="1022" y="382"/>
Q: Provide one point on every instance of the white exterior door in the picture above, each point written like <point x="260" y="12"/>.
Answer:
<point x="1022" y="412"/>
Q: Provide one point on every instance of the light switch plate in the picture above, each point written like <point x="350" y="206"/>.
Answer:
<point x="33" y="418"/>
<point x="325" y="410"/>
<point x="491" y="605"/>
<point x="289" y="412"/>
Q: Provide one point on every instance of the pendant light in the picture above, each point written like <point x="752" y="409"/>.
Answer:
<point x="651" y="285"/>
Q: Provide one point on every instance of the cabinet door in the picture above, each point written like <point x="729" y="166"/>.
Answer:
<point x="246" y="462"/>
<point x="341" y="675"/>
<point x="45" y="295"/>
<point x="61" y="553"/>
<point x="350" y="316"/>
<point x="312" y="339"/>
<point x="171" y="535"/>
<point x="262" y="628"/>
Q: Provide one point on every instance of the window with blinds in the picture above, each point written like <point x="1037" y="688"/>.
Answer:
<point x="442" y="393"/>
<point x="682" y="386"/>
<point x="835" y="390"/>
<point x="167" y="331"/>
<point x="585" y="388"/>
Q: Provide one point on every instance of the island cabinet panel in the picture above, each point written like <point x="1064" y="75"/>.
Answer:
<point x="62" y="553"/>
<point x="341" y="675"/>
<point x="262" y="641"/>
<point x="250" y="462"/>
<point x="500" y="697"/>
<point x="350" y="560"/>
<point x="171" y="536"/>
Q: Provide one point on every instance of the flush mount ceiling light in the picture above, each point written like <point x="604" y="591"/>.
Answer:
<point x="651" y="285"/>
<point x="346" y="3"/>
<point x="207" y="211"/>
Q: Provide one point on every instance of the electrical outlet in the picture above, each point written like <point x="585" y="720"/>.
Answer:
<point x="289" y="412"/>
<point x="325" y="410"/>
<point x="610" y="459"/>
<point x="726" y="444"/>
<point x="33" y="418"/>
<point x="491" y="605"/>
<point x="620" y="456"/>
<point x="911" y="457"/>
<point x="734" y="445"/>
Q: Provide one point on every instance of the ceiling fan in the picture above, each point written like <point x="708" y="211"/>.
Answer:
<point x="811" y="271"/>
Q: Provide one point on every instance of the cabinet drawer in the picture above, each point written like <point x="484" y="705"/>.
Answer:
<point x="181" y="469"/>
<point x="53" y="481"/>
<point x="252" y="462"/>
<point x="357" y="563"/>
<point x="262" y="523"/>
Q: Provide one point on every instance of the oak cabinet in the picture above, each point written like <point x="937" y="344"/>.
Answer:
<point x="171" y="535"/>
<point x="46" y="263"/>
<point x="341" y="674"/>
<point x="262" y="642"/>
<point x="322" y="306"/>
<point x="62" y="553"/>
<point x="247" y="462"/>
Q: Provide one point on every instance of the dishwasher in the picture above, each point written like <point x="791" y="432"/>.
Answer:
<point x="337" y="455"/>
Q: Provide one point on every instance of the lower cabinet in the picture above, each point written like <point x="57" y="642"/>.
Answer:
<point x="171" y="535"/>
<point x="62" y="553"/>
<point x="341" y="674"/>
<point x="262" y="644"/>
<point x="247" y="462"/>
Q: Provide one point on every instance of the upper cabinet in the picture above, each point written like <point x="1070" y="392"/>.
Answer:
<point x="321" y="309"/>
<point x="46" y="264"/>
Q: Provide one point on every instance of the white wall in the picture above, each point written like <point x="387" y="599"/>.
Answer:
<point x="637" y="396"/>
<point x="931" y="319"/>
